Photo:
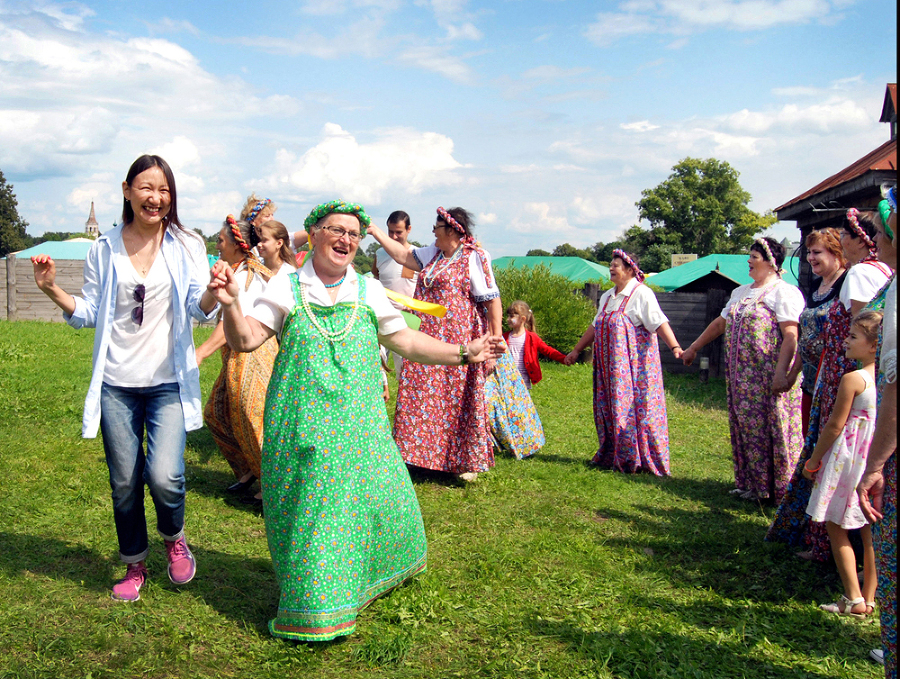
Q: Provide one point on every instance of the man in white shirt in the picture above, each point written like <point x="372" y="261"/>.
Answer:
<point x="392" y="275"/>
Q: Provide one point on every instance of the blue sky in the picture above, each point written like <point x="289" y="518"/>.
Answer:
<point x="546" y="119"/>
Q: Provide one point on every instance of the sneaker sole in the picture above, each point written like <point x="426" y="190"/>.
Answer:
<point x="182" y="582"/>
<point x="125" y="601"/>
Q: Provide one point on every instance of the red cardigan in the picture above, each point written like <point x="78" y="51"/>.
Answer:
<point x="534" y="345"/>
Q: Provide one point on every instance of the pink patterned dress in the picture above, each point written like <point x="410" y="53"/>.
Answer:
<point x="629" y="402"/>
<point x="766" y="431"/>
<point x="441" y="420"/>
<point x="833" y="496"/>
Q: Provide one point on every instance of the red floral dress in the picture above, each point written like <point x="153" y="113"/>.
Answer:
<point x="441" y="420"/>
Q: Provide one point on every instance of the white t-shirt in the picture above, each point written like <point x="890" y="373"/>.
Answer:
<point x="141" y="355"/>
<point x="785" y="300"/>
<point x="643" y="308"/>
<point x="481" y="291"/>
<point x="277" y="301"/>
<point x="395" y="276"/>
<point x="863" y="281"/>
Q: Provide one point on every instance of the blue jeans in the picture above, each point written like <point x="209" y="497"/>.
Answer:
<point x="124" y="414"/>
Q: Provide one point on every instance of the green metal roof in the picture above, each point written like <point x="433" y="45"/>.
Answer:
<point x="58" y="249"/>
<point x="732" y="267"/>
<point x="576" y="269"/>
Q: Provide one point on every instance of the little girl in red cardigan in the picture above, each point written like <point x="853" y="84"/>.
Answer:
<point x="525" y="345"/>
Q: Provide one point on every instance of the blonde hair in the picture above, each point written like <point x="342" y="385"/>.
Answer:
<point x="251" y="202"/>
<point x="520" y="308"/>
<point x="279" y="231"/>
<point x="869" y="322"/>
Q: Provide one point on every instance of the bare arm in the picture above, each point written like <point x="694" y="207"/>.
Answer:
<point x="856" y="307"/>
<point x="713" y="330"/>
<point x="581" y="345"/>
<point x="300" y="238"/>
<point x="668" y="336"/>
<point x="884" y="444"/>
<point x="789" y="331"/>
<point x="397" y="252"/>
<point x="421" y="348"/>
<point x="242" y="334"/>
<point x="851" y="385"/>
<point x="45" y="277"/>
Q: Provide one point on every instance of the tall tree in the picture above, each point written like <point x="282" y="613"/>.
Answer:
<point x="700" y="209"/>
<point x="12" y="227"/>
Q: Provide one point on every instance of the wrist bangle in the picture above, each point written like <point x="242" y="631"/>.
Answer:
<point x="812" y="471"/>
<point x="463" y="354"/>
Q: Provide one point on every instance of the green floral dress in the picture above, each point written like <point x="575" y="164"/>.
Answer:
<point x="342" y="518"/>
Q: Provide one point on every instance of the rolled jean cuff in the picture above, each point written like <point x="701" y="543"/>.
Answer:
<point x="137" y="558"/>
<point x="167" y="538"/>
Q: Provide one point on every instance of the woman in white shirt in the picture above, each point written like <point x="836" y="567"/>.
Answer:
<point x="629" y="403"/>
<point x="234" y="411"/>
<point x="760" y="323"/>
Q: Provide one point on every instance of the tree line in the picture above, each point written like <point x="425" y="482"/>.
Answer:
<point x="699" y="209"/>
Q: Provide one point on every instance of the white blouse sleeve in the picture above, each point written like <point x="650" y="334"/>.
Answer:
<point x="736" y="296"/>
<point x="481" y="291"/>
<point x="788" y="303"/>
<point x="424" y="254"/>
<point x="862" y="282"/>
<point x="644" y="310"/>
<point x="273" y="304"/>
<point x="390" y="320"/>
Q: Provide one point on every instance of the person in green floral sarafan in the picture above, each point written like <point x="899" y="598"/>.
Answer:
<point x="342" y="519"/>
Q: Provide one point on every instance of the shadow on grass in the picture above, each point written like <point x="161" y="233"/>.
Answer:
<point x="243" y="589"/>
<point x="650" y="652"/>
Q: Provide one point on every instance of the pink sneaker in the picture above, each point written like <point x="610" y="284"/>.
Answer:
<point x="129" y="587"/>
<point x="182" y="566"/>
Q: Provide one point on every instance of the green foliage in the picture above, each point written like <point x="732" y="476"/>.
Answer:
<point x="13" y="236"/>
<point x="566" y="250"/>
<point x="700" y="209"/>
<point x="53" y="236"/>
<point x="537" y="253"/>
<point x="561" y="313"/>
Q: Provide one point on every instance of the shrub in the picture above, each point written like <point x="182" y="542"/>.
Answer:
<point x="561" y="313"/>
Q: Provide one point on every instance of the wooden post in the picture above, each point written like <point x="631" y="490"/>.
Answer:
<point x="11" y="312"/>
<point x="715" y="302"/>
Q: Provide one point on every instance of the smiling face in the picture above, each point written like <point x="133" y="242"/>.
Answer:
<point x="620" y="273"/>
<point x="268" y="247"/>
<point x="823" y="263"/>
<point x="446" y="238"/>
<point x="228" y="249"/>
<point x="150" y="198"/>
<point x="334" y="254"/>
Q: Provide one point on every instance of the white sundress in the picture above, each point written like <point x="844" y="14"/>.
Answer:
<point x="833" y="496"/>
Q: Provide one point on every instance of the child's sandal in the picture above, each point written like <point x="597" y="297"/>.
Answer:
<point x="847" y="608"/>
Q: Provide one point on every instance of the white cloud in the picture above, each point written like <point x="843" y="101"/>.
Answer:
<point x="640" y="126"/>
<point x="341" y="166"/>
<point x="439" y="60"/>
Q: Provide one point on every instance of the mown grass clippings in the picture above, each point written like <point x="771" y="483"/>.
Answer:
<point x="543" y="568"/>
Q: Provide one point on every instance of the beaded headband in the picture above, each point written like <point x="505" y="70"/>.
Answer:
<point x="254" y="213"/>
<point x="468" y="242"/>
<point x="621" y="254"/>
<point x="236" y="233"/>
<point x="770" y="258"/>
<point x="853" y="220"/>
<point x="341" y="207"/>
<point x="449" y="221"/>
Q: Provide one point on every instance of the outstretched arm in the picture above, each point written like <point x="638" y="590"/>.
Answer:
<point x="581" y="345"/>
<point x="422" y="348"/>
<point x="713" y="330"/>
<point x="668" y="336"/>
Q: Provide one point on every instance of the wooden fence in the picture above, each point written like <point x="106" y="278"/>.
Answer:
<point x="689" y="313"/>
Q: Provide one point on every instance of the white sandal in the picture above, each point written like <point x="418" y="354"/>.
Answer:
<point x="848" y="605"/>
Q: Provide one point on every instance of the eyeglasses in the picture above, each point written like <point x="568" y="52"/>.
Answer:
<point x="438" y="226"/>
<point x="338" y="232"/>
<point x="137" y="314"/>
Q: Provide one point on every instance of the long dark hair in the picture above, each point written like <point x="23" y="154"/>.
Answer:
<point x="142" y="164"/>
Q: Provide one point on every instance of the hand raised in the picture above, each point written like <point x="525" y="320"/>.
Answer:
<point x="44" y="271"/>
<point x="222" y="284"/>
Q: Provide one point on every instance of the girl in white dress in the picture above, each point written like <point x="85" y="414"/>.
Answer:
<point x="837" y="465"/>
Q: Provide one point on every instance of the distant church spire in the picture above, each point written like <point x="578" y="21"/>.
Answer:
<point x="91" y="227"/>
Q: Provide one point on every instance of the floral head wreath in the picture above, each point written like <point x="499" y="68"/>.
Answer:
<point x="621" y="254"/>
<point x="770" y="258"/>
<point x="886" y="206"/>
<point x="468" y="242"/>
<point x="236" y="233"/>
<point x="853" y="220"/>
<point x="325" y="209"/>
<point x="254" y="213"/>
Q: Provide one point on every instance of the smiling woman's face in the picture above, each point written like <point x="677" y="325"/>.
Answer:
<point x="334" y="254"/>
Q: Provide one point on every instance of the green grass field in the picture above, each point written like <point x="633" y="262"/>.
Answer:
<point x="542" y="568"/>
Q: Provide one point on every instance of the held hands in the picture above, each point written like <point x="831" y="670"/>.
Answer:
<point x="687" y="356"/>
<point x="44" y="272"/>
<point x="678" y="352"/>
<point x="780" y="384"/>
<point x="571" y="357"/>
<point x="486" y="348"/>
<point x="222" y="284"/>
